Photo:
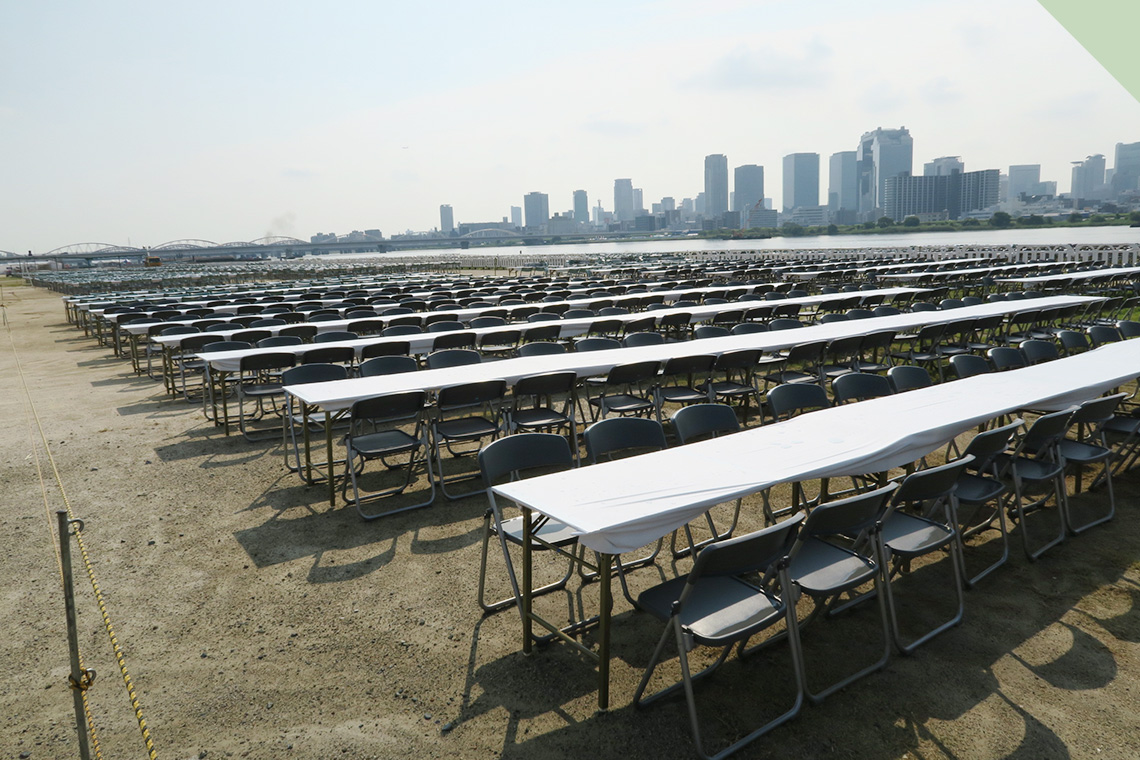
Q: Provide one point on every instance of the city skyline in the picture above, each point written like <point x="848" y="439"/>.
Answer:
<point x="142" y="126"/>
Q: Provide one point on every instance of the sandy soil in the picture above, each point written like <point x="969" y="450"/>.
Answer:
<point x="258" y="622"/>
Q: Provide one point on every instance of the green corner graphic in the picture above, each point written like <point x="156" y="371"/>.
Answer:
<point x="1108" y="30"/>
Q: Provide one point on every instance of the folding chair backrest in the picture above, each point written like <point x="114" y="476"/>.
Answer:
<point x="389" y="407"/>
<point x="908" y="377"/>
<point x="855" y="386"/>
<point x="596" y="344"/>
<point x="847" y="517"/>
<point x="471" y="394"/>
<point x="258" y="362"/>
<point x="698" y="421"/>
<point x="334" y="336"/>
<point x="986" y="445"/>
<point x="545" y="384"/>
<point x="1097" y="410"/>
<point x="969" y="365"/>
<point x="313" y="373"/>
<point x="518" y="453"/>
<point x="452" y="357"/>
<point x="931" y="483"/>
<point x="541" y="348"/>
<point x="622" y="434"/>
<point x="751" y="553"/>
<point x="785" y="400"/>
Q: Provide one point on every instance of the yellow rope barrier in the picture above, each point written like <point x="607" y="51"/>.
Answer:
<point x="84" y="684"/>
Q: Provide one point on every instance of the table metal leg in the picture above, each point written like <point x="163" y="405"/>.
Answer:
<point x="329" y="458"/>
<point x="527" y="596"/>
<point x="605" y="573"/>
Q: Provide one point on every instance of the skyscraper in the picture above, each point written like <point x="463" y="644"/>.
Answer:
<point x="581" y="207"/>
<point x="516" y="217"/>
<point x="843" y="182"/>
<point x="537" y="209"/>
<point x="623" y="200"/>
<point x="1088" y="176"/>
<point x="1023" y="180"/>
<point x="1127" y="168"/>
<point x="716" y="185"/>
<point x="446" y="219"/>
<point x="943" y="167"/>
<point x="638" y="201"/>
<point x="801" y="180"/>
<point x="748" y="186"/>
<point x="882" y="153"/>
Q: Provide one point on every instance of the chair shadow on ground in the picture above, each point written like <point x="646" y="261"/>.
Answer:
<point x="1050" y="637"/>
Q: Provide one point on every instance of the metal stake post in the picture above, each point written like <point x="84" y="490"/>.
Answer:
<point x="79" y="678"/>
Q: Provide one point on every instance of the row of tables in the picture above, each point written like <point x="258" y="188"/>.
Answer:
<point x="620" y="506"/>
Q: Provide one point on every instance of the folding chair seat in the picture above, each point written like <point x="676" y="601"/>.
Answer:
<point x="297" y="418"/>
<point x="626" y="390"/>
<point x="385" y="348"/>
<point x="185" y="360"/>
<point x="541" y="348"/>
<point x="511" y="457"/>
<point x="713" y="606"/>
<point x="1090" y="447"/>
<point x="801" y="365"/>
<point x="452" y="357"/>
<point x="836" y="552"/>
<point x="921" y="520"/>
<point x="1034" y="463"/>
<point x="679" y="378"/>
<point x="840" y="356"/>
<point x="859" y="386"/>
<point x="466" y="414"/>
<point x="675" y="325"/>
<point x="922" y="347"/>
<point x="874" y="352"/>
<point x="334" y="336"/>
<point x="544" y="403"/>
<point x="500" y="344"/>
<point x="969" y="365"/>
<point x="980" y="493"/>
<point x="259" y="380"/>
<point x="737" y="378"/>
<point x="377" y="431"/>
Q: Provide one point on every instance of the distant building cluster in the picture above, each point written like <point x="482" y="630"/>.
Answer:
<point x="865" y="185"/>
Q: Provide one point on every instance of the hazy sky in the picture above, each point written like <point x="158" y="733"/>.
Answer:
<point x="146" y="122"/>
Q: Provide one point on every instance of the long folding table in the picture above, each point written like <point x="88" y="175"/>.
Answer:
<point x="620" y="506"/>
<point x="339" y="395"/>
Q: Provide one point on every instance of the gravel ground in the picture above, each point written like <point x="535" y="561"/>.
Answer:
<point x="257" y="622"/>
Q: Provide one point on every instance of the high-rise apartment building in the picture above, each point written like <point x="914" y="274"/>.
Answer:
<point x="882" y="153"/>
<point x="516" y="217"/>
<point x="1023" y="180"/>
<point x="1088" y="176"/>
<point x="446" y="219"/>
<point x="716" y="185"/>
<point x="801" y="180"/>
<point x="536" y="206"/>
<point x="581" y="207"/>
<point x="843" y="182"/>
<point x="748" y="187"/>
<point x="943" y="167"/>
<point x="1126" y="174"/>
<point x="948" y="194"/>
<point x="623" y="200"/>
<point x="638" y="201"/>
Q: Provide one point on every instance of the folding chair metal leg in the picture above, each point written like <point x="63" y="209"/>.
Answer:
<point x="1019" y="509"/>
<point x="1106" y="477"/>
<point x="967" y="579"/>
<point x="516" y="598"/>
<point x="896" y="634"/>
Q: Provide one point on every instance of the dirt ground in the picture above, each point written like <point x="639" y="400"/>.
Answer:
<point x="257" y="622"/>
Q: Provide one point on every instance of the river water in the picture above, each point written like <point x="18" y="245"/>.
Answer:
<point x="983" y="237"/>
